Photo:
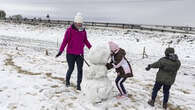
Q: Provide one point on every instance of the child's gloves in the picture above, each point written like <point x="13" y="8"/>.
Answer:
<point x="109" y="66"/>
<point x="148" y="68"/>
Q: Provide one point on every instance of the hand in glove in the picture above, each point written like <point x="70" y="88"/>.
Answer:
<point x="148" y="68"/>
<point x="109" y="66"/>
<point x="59" y="53"/>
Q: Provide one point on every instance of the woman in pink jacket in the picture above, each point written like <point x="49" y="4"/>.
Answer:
<point x="75" y="39"/>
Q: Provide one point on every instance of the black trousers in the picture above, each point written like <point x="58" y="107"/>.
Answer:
<point x="119" y="84"/>
<point x="72" y="59"/>
<point x="157" y="87"/>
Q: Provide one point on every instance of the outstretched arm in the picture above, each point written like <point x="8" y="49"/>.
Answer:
<point x="157" y="64"/>
<point x="86" y="41"/>
<point x="64" y="43"/>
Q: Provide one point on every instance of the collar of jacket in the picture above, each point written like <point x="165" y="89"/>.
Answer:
<point x="115" y="52"/>
<point x="74" y="27"/>
<point x="172" y="57"/>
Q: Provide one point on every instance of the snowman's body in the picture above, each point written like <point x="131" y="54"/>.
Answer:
<point x="97" y="86"/>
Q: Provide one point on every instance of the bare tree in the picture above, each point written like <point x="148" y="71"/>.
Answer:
<point x="2" y="14"/>
<point x="17" y="17"/>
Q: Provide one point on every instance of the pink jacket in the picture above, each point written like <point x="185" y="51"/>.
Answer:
<point x="75" y="41"/>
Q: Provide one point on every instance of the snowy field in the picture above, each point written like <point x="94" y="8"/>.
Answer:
<point x="31" y="80"/>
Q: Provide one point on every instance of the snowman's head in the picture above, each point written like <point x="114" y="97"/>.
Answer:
<point x="99" y="54"/>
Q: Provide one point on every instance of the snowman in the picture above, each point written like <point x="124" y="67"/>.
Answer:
<point x="97" y="86"/>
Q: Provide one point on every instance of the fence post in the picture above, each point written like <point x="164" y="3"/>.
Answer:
<point x="144" y="53"/>
<point x="190" y="28"/>
<point x="57" y="42"/>
<point x="123" y="26"/>
<point x="46" y="52"/>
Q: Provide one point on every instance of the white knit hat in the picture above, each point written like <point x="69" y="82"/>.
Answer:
<point x="78" y="18"/>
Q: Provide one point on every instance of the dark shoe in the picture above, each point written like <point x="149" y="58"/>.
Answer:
<point x="67" y="84"/>
<point x="165" y="106"/>
<point x="151" y="103"/>
<point x="79" y="88"/>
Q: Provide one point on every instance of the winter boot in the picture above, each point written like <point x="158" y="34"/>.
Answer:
<point x="67" y="83"/>
<point x="151" y="103"/>
<point x="165" y="106"/>
<point x="121" y="96"/>
<point x="79" y="87"/>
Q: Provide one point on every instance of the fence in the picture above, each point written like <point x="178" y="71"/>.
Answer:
<point x="159" y="28"/>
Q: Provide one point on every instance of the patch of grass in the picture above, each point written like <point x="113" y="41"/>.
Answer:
<point x="41" y="90"/>
<point x="185" y="92"/>
<point x="12" y="106"/>
<point x="172" y="107"/>
<point x="63" y="61"/>
<point x="62" y="100"/>
<point x="20" y="70"/>
<point x="124" y="108"/>
<point x="74" y="98"/>
<point x="52" y="77"/>
<point x="116" y="105"/>
<point x="70" y="105"/>
<point x="76" y="91"/>
<point x="131" y="107"/>
<point x="42" y="107"/>
<point x="54" y="86"/>
<point x="58" y="92"/>
<point x="119" y="103"/>
<point x="9" y="62"/>
<point x="33" y="94"/>
<point x="133" y="80"/>
<point x="148" y="86"/>
<point x="131" y="97"/>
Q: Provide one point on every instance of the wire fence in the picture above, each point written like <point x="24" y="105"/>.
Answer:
<point x="159" y="28"/>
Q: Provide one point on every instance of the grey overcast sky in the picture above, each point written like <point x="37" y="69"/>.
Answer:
<point x="165" y="12"/>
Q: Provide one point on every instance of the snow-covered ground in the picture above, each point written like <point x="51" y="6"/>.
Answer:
<point x="31" y="80"/>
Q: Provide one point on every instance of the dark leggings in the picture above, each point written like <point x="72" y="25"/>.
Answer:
<point x="166" y="89"/>
<point x="71" y="59"/>
<point x="119" y="84"/>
